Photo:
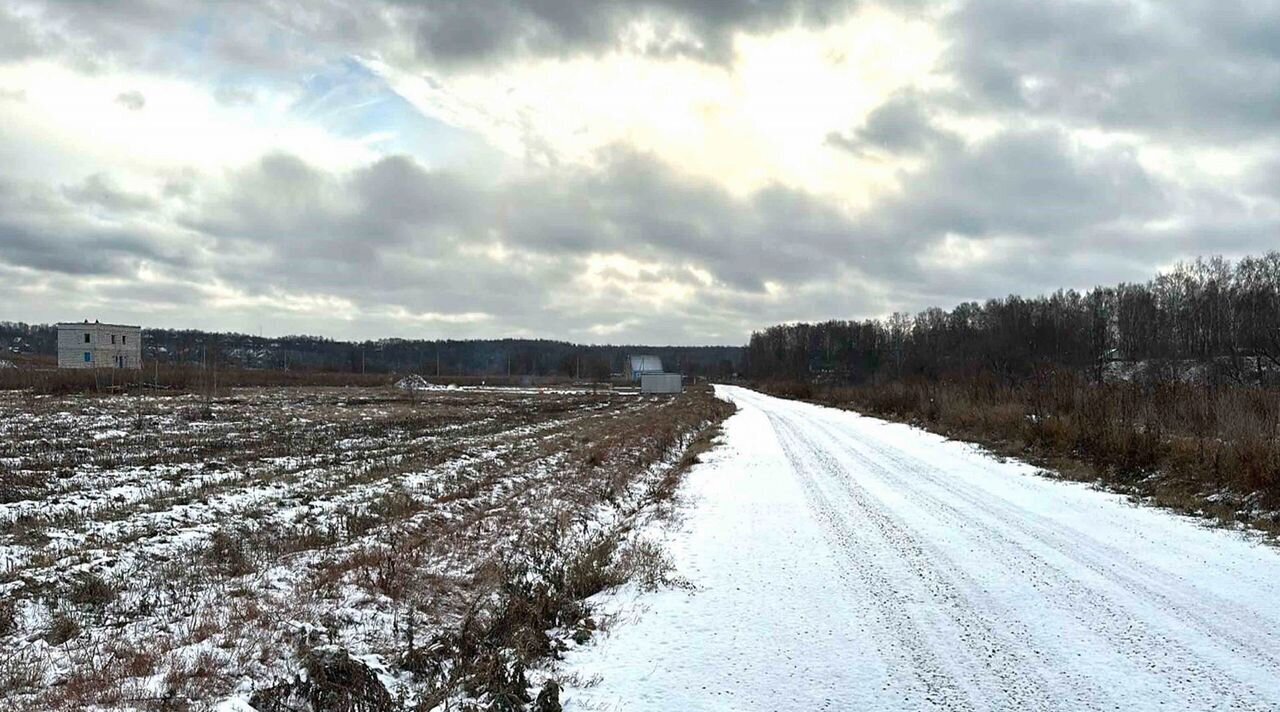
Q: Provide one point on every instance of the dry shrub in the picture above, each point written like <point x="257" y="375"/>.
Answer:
<point x="227" y="553"/>
<point x="394" y="505"/>
<point x="647" y="564"/>
<point x="1256" y="465"/>
<point x="19" y="486"/>
<point x="333" y="682"/>
<point x="55" y="381"/>
<point x="136" y="662"/>
<point x="548" y="699"/>
<point x="61" y="629"/>
<point x="21" y="672"/>
<point x="194" y="678"/>
<point x="176" y="378"/>
<point x="92" y="590"/>
<point x="8" y="617"/>
<point x="106" y="675"/>
<point x="393" y="569"/>
<point x="542" y="589"/>
<point x="800" y="390"/>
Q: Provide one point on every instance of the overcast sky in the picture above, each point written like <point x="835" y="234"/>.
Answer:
<point x="662" y="171"/>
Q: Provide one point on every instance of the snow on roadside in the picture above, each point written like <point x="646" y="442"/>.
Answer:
<point x="745" y="536"/>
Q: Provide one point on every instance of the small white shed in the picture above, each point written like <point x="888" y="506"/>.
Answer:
<point x="661" y="383"/>
<point x="639" y="365"/>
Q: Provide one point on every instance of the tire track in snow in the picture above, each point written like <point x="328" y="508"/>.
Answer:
<point x="887" y="605"/>
<point x="1006" y="651"/>
<point x="1216" y="618"/>
<point x="1160" y="652"/>
<point x="996" y="668"/>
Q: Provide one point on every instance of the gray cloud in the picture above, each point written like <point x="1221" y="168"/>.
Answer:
<point x="397" y="234"/>
<point x="901" y="125"/>
<point x="1201" y="69"/>
<point x="1196" y="67"/>
<point x="20" y="37"/>
<point x="98" y="189"/>
<point x="131" y="100"/>
<point x="82" y="250"/>
<point x="61" y="231"/>
<point x="1026" y="182"/>
<point x="471" y="30"/>
<point x="289" y="35"/>
<point x="636" y="206"/>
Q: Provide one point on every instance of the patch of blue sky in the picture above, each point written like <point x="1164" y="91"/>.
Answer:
<point x="339" y="95"/>
<point x="348" y="100"/>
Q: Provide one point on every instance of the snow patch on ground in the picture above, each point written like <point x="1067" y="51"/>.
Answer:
<point x="418" y="383"/>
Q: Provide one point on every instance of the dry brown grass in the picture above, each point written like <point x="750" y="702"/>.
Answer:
<point x="1195" y="448"/>
<point x="43" y="377"/>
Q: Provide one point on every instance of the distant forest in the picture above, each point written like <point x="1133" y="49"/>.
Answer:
<point x="517" y="357"/>
<point x="1216" y="318"/>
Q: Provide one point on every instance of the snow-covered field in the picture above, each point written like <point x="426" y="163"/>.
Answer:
<point x="839" y="562"/>
<point x="168" y="552"/>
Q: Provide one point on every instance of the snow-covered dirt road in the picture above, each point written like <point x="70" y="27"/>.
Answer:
<point x="841" y="562"/>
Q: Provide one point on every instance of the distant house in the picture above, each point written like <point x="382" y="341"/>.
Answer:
<point x="637" y="366"/>
<point x="97" y="345"/>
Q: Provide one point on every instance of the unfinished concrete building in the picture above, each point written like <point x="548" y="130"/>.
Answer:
<point x="97" y="345"/>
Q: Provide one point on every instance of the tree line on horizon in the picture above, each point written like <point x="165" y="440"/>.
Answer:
<point x="444" y="357"/>
<point x="1220" y="315"/>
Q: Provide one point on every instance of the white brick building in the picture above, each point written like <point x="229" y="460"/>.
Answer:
<point x="96" y="345"/>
